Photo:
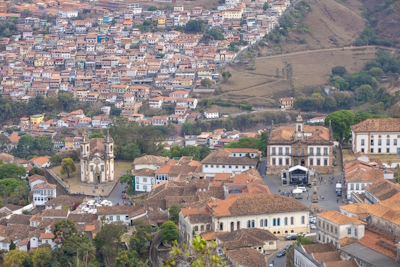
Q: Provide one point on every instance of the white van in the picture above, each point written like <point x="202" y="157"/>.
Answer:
<point x="302" y="188"/>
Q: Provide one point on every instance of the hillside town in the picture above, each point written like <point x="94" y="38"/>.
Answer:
<point x="107" y="160"/>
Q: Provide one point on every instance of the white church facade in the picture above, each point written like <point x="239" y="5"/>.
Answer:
<point x="97" y="160"/>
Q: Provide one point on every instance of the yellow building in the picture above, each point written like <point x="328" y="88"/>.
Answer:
<point x="39" y="62"/>
<point x="36" y="119"/>
<point x="233" y="13"/>
<point x="161" y="20"/>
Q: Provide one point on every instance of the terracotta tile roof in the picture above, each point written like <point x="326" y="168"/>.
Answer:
<point x="319" y="248"/>
<point x="245" y="238"/>
<point x="383" y="189"/>
<point x="55" y="213"/>
<point x="373" y="175"/>
<point x="41" y="160"/>
<point x="286" y="134"/>
<point x="356" y="208"/>
<point x="144" y="172"/>
<point x="116" y="210"/>
<point x="222" y="176"/>
<point x="379" y="243"/>
<point x="96" y="145"/>
<point x="151" y="160"/>
<point x="338" y="218"/>
<point x="82" y="217"/>
<point x="327" y="256"/>
<point x="19" y="219"/>
<point x="64" y="200"/>
<point x="378" y="125"/>
<point x="211" y="235"/>
<point x="44" y="186"/>
<point x="343" y="263"/>
<point x="47" y="236"/>
<point x="36" y="177"/>
<point x="346" y="241"/>
<point x="256" y="204"/>
<point x="247" y="257"/>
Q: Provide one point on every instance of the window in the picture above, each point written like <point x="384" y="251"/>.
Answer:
<point x="325" y="162"/>
<point x="248" y="224"/>
<point x="144" y="180"/>
<point x="274" y="222"/>
<point x="311" y="162"/>
<point x="145" y="187"/>
<point x="372" y="142"/>
<point x="286" y="221"/>
<point x="323" y="225"/>
<point x="323" y="239"/>
<point x="273" y="151"/>
<point x="362" y="142"/>
<point x="126" y="218"/>
<point x="261" y="222"/>
<point x="117" y="217"/>
<point x="388" y="142"/>
<point x="362" y="150"/>
<point x="295" y="151"/>
<point x="318" y="162"/>
<point x="303" y="219"/>
<point x="265" y="222"/>
<point x="111" y="218"/>
<point x="331" y="229"/>
<point x="387" y="150"/>
<point x="292" y="220"/>
<point x="202" y="228"/>
<point x="287" y="161"/>
<point x="351" y="186"/>
<point x="379" y="150"/>
<point x="357" y="187"/>
<point x="372" y="150"/>
<point x="253" y="223"/>
<point x="280" y="151"/>
<point x="379" y="142"/>
<point x="355" y="231"/>
<point x="311" y="151"/>
<point x="230" y="167"/>
<point x="349" y="231"/>
<point x="335" y="230"/>
<point x="137" y="187"/>
<point x="302" y="151"/>
<point x="325" y="151"/>
<point x="395" y="142"/>
<point x="273" y="161"/>
<point x="91" y="168"/>
<point x="280" y="161"/>
<point x="278" y="222"/>
<point x="102" y="168"/>
<point x="318" y="151"/>
<point x="221" y="226"/>
<point x="287" y="151"/>
<point x="319" y="223"/>
<point x="319" y="237"/>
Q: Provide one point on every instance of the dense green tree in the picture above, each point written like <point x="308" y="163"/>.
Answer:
<point x="67" y="166"/>
<point x="12" y="245"/>
<point x="226" y="75"/>
<point x="129" y="179"/>
<point x="339" y="70"/>
<point x="341" y="121"/>
<point x="11" y="170"/>
<point x="55" y="159"/>
<point x="206" y="83"/>
<point x="169" y="232"/>
<point x="129" y="259"/>
<point x="364" y="92"/>
<point x="107" y="241"/>
<point x="129" y="152"/>
<point x="152" y="8"/>
<point x="195" y="26"/>
<point x="174" y="213"/>
<point x="376" y="72"/>
<point x="15" y="258"/>
<point x="42" y="257"/>
<point x="87" y="251"/>
<point x="138" y="241"/>
<point x="96" y="135"/>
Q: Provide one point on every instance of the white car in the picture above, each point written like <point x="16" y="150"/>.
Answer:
<point x="302" y="188"/>
<point x="313" y="227"/>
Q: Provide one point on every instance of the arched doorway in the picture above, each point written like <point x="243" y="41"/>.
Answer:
<point x="238" y="226"/>
<point x="97" y="177"/>
<point x="232" y="226"/>
<point x="296" y="162"/>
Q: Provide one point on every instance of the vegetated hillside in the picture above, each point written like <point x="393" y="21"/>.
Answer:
<point x="384" y="18"/>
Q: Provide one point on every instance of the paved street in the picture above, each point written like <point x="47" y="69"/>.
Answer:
<point x="324" y="189"/>
<point x="116" y="195"/>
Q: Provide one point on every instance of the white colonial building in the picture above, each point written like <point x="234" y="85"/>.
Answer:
<point x="144" y="179"/>
<point x="376" y="136"/>
<point x="333" y="226"/>
<point x="211" y="114"/>
<point x="97" y="160"/>
<point x="42" y="192"/>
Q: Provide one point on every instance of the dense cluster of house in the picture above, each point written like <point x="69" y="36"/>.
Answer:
<point x="106" y="52"/>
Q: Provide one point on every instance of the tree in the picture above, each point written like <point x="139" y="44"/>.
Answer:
<point x="138" y="241"/>
<point x="129" y="152"/>
<point x="87" y="252"/>
<point x="10" y="170"/>
<point x="15" y="258"/>
<point x="376" y="72"/>
<point x="129" y="259"/>
<point x="129" y="179"/>
<point x="174" y="213"/>
<point x="36" y="170"/>
<point x="12" y="245"/>
<point x="4" y="141"/>
<point x="41" y="257"/>
<point x="226" y="75"/>
<point x="206" y="83"/>
<point x="64" y="231"/>
<point x="55" y="159"/>
<point x="204" y="152"/>
<point x="341" y="121"/>
<point x="195" y="26"/>
<point x="339" y="70"/>
<point x="96" y="135"/>
<point x="364" y="92"/>
<point x="277" y="73"/>
<point x="152" y="8"/>
<point x="204" y="254"/>
<point x="265" y="6"/>
<point x="107" y="241"/>
<point x="67" y="166"/>
<point x="169" y="232"/>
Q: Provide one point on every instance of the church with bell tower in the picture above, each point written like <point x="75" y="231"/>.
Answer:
<point x="300" y="144"/>
<point x="97" y="159"/>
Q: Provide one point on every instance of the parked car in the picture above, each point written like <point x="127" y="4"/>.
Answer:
<point x="313" y="227"/>
<point x="287" y="247"/>
<point x="281" y="253"/>
<point x="270" y="265"/>
<point x="302" y="188"/>
<point x="335" y="163"/>
<point x="123" y="191"/>
<point x="123" y="196"/>
<point x="291" y="237"/>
